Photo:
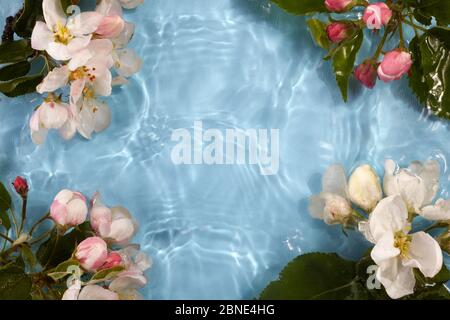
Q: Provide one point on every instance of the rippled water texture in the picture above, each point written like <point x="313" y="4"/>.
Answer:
<point x="223" y="231"/>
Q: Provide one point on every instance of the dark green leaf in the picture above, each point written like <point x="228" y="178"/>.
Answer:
<point x="5" y="198"/>
<point x="4" y="220"/>
<point x="438" y="292"/>
<point x="422" y="17"/>
<point x="442" y="277"/>
<point x="107" y="273"/>
<point x="344" y="61"/>
<point x="15" y="51"/>
<point x="318" y="32"/>
<point x="60" y="248"/>
<point x="31" y="13"/>
<point x="431" y="70"/>
<point x="28" y="255"/>
<point x="21" y="85"/>
<point x="15" y="284"/>
<point x="440" y="9"/>
<point x="302" y="7"/>
<point x="314" y="276"/>
<point x="14" y="70"/>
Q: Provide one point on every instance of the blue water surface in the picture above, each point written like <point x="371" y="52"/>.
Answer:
<point x="223" y="232"/>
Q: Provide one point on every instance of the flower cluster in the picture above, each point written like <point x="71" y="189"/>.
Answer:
<point x="86" y="55"/>
<point x="85" y="254"/>
<point x="396" y="62"/>
<point x="387" y="221"/>
<point x="107" y="249"/>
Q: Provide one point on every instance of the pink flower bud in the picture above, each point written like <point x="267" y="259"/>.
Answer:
<point x="113" y="259"/>
<point x="366" y="73"/>
<point x="92" y="253"/>
<point x="338" y="31"/>
<point x="395" y="64"/>
<point x="21" y="186"/>
<point x="115" y="225"/>
<point x="110" y="26"/>
<point x="69" y="208"/>
<point x="377" y="15"/>
<point x="337" y="5"/>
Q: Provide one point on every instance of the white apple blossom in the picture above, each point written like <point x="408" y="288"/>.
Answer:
<point x="417" y="185"/>
<point x="52" y="114"/>
<point x="88" y="68"/>
<point x="364" y="188"/>
<point x="92" y="115"/>
<point x="332" y="204"/>
<point x="63" y="36"/>
<point x="397" y="252"/>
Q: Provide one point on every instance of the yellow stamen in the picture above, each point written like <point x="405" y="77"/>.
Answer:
<point x="402" y="241"/>
<point x="62" y="34"/>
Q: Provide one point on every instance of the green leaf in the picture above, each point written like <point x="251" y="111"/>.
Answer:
<point x="4" y="220"/>
<point x="442" y="277"/>
<point x="318" y="32"/>
<point x="314" y="276"/>
<point x="20" y="86"/>
<point x="438" y="292"/>
<point x="32" y="12"/>
<point x="344" y="61"/>
<point x="15" y="51"/>
<point x="422" y="18"/>
<point x="15" y="284"/>
<point x="431" y="70"/>
<point x="63" y="266"/>
<point x="60" y="248"/>
<point x="302" y="7"/>
<point x="62" y="270"/>
<point x="28" y="255"/>
<point x="14" y="70"/>
<point x="5" y="198"/>
<point x="107" y="274"/>
<point x="439" y="9"/>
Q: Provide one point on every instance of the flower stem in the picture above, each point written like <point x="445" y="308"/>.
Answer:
<point x="380" y="46"/>
<point x="45" y="217"/>
<point x="24" y="213"/>
<point x="400" y="32"/>
<point x="6" y="238"/>
<point x="42" y="236"/>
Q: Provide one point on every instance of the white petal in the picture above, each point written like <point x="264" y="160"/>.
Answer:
<point x="53" y="115"/>
<point x="109" y="8"/>
<point x="55" y="79"/>
<point x="86" y="121"/>
<point x="425" y="254"/>
<point x="39" y="136"/>
<point x="95" y="292"/>
<point x="84" y="23"/>
<point x="77" y="44"/>
<point x="102" y="84"/>
<point x="398" y="280"/>
<point x="58" y="51"/>
<point x="317" y="206"/>
<point x="71" y="293"/>
<point x="364" y="228"/>
<point x="439" y="211"/>
<point x="102" y="116"/>
<point x="41" y="36"/>
<point x="80" y="59"/>
<point x="389" y="216"/>
<point x="53" y="13"/>
<point x="77" y="212"/>
<point x="68" y="130"/>
<point x="334" y="181"/>
<point x="122" y="40"/>
<point x="429" y="173"/>
<point x="384" y="249"/>
<point x="76" y="90"/>
<point x="389" y="182"/>
<point x="128" y="63"/>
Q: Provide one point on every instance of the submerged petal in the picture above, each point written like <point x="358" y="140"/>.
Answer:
<point x="334" y="181"/>
<point x="424" y="254"/>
